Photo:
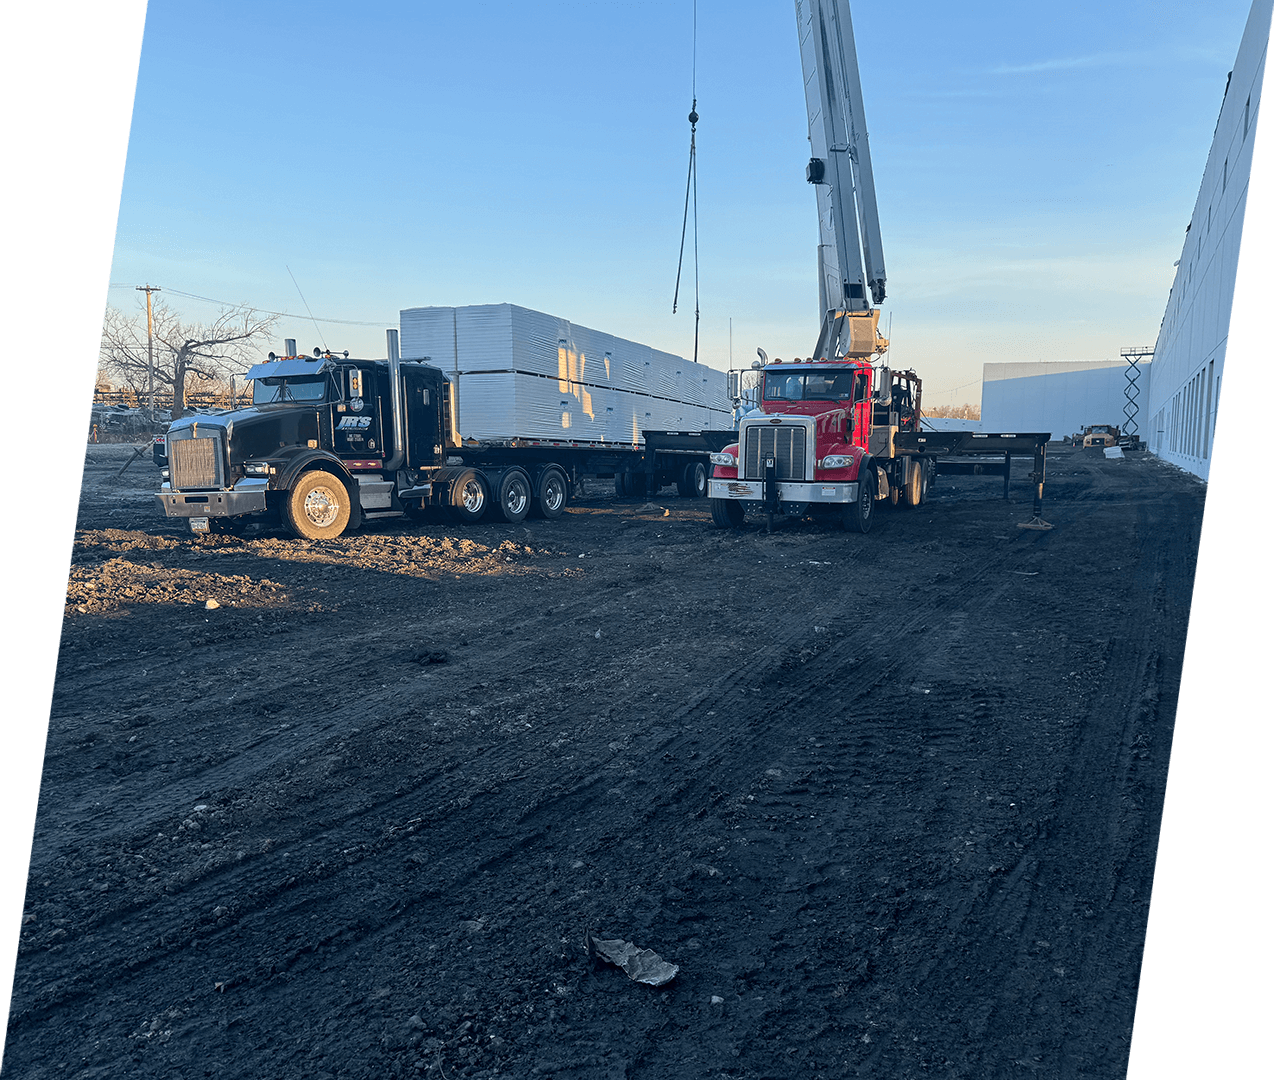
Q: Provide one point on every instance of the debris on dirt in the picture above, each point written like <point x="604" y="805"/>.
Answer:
<point x="640" y="965"/>
<point x="653" y="508"/>
<point x="211" y="605"/>
<point x="429" y="655"/>
<point x="801" y="818"/>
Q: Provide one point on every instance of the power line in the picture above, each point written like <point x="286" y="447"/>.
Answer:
<point x="264" y="311"/>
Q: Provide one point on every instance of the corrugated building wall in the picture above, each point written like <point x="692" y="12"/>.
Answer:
<point x="1185" y="388"/>
<point x="1061" y="397"/>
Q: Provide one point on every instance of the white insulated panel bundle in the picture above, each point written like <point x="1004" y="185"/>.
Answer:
<point x="527" y="375"/>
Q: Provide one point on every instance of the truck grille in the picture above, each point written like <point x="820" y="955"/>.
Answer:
<point x="786" y="443"/>
<point x="194" y="463"/>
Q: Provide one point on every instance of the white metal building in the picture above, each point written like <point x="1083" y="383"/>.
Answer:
<point x="1061" y="397"/>
<point x="1180" y="408"/>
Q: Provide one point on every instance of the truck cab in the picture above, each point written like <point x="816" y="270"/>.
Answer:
<point x="364" y="435"/>
<point x="822" y="444"/>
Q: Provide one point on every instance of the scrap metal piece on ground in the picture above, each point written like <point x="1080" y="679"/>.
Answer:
<point x="640" y="965"/>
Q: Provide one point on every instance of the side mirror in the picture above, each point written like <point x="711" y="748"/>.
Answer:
<point x="732" y="386"/>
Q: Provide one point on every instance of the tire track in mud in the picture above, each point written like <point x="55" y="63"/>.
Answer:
<point x="785" y="813"/>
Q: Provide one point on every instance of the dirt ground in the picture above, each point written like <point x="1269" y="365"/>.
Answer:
<point x="890" y="802"/>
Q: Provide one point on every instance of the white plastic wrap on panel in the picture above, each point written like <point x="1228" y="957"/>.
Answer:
<point x="488" y="408"/>
<point x="484" y="337"/>
<point x="526" y="374"/>
<point x="665" y="371"/>
<point x="541" y="343"/>
<point x="429" y="332"/>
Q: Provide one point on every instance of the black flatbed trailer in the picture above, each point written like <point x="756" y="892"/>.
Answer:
<point x="979" y="453"/>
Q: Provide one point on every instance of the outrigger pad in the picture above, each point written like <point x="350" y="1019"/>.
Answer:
<point x="1035" y="523"/>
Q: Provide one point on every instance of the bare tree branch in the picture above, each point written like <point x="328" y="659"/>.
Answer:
<point x="228" y="345"/>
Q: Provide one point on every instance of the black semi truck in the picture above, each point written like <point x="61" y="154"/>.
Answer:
<point x="329" y="441"/>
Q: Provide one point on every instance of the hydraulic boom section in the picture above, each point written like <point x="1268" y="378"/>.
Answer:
<point x="851" y="264"/>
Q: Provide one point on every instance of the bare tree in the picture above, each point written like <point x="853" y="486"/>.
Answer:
<point x="226" y="346"/>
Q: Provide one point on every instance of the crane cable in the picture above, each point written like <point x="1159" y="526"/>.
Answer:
<point x="692" y="180"/>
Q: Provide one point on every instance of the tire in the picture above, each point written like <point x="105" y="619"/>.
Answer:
<point x="551" y="493"/>
<point x="513" y="496"/>
<point x="727" y="514"/>
<point x="895" y="492"/>
<point x="469" y="497"/>
<point x="693" y="481"/>
<point x="913" y="489"/>
<point x="925" y="468"/>
<point x="858" y="515"/>
<point x="635" y="484"/>
<point x="317" y="507"/>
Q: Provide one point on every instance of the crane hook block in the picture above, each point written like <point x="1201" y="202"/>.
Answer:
<point x="694" y="117"/>
<point x="815" y="170"/>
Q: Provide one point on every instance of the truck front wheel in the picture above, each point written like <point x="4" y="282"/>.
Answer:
<point x="317" y="507"/>
<point x="727" y="514"/>
<point x="858" y="515"/>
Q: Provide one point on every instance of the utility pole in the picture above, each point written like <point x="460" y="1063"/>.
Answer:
<point x="150" y="350"/>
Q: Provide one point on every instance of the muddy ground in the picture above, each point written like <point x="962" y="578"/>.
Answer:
<point x="890" y="802"/>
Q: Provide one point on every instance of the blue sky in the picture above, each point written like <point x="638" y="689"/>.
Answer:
<point x="1036" y="166"/>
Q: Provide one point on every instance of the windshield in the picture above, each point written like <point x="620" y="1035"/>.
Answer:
<point x="833" y="385"/>
<point x="295" y="388"/>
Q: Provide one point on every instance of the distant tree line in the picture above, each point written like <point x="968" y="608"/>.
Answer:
<point x="953" y="412"/>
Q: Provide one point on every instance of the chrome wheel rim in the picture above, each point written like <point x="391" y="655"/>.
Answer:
<point x="516" y="497"/>
<point x="321" y="507"/>
<point x="471" y="496"/>
<point x="554" y="493"/>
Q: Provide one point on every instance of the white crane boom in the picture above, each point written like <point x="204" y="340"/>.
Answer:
<point x="851" y="265"/>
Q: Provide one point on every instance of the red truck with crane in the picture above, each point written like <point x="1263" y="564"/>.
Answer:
<point x="835" y="434"/>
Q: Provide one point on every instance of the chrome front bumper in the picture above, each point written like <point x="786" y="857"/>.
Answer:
<point x="248" y="497"/>
<point x="789" y="492"/>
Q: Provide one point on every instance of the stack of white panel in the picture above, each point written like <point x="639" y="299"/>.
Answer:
<point x="525" y="374"/>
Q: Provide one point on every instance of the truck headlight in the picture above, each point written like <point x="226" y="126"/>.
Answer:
<point x="836" y="461"/>
<point x="723" y="459"/>
<point x="256" y="468"/>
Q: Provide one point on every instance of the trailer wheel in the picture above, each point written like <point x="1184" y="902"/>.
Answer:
<point x="693" y="481"/>
<point x="469" y="496"/>
<point x="926" y="470"/>
<point x="727" y="514"/>
<point x="513" y="498"/>
<point x="635" y="484"/>
<point x="858" y="515"/>
<point x="551" y="493"/>
<point x="317" y="507"/>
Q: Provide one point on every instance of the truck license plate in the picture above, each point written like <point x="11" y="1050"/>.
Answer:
<point x="199" y="524"/>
